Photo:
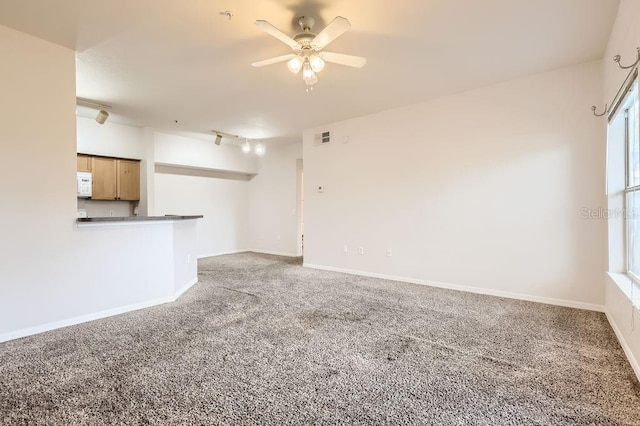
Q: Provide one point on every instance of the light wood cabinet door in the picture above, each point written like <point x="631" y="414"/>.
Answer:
<point x="84" y="163"/>
<point x="128" y="180"/>
<point x="103" y="172"/>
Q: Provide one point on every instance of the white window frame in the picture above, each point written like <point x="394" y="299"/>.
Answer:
<point x="629" y="213"/>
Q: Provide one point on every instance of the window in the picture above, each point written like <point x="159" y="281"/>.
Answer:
<point x="632" y="182"/>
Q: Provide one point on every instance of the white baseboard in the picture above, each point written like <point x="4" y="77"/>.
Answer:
<point x="365" y="274"/>
<point x="222" y="253"/>
<point x="477" y="290"/>
<point x="276" y="253"/>
<point x="180" y="292"/>
<point x="625" y="347"/>
<point x="94" y="316"/>
<point x="521" y="296"/>
<point x="82" y="318"/>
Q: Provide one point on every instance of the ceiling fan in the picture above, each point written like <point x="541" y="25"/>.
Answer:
<point x="308" y="55"/>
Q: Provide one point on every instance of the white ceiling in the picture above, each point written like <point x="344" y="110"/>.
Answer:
<point x="157" y="61"/>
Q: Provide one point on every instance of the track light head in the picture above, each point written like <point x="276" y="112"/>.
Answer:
<point x="220" y="135"/>
<point x="102" y="116"/>
<point x="102" y="113"/>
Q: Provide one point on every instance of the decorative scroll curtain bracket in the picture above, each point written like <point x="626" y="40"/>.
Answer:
<point x="617" y="58"/>
<point x="611" y="108"/>
<point x="593" y="108"/>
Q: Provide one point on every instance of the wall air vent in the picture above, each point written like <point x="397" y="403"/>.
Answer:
<point x="321" y="138"/>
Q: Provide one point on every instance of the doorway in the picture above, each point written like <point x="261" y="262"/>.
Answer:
<point x="300" y="205"/>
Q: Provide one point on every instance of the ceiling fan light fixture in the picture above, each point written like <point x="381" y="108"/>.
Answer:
<point x="317" y="63"/>
<point x="307" y="71"/>
<point x="308" y="48"/>
<point x="311" y="81"/>
<point x="295" y="64"/>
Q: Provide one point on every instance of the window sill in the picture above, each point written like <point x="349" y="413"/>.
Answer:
<point x="627" y="286"/>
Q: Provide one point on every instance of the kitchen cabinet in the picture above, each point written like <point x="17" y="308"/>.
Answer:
<point x="115" y="179"/>
<point x="128" y="180"/>
<point x="103" y="175"/>
<point x="84" y="163"/>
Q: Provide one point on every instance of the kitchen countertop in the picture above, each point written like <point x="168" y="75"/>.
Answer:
<point x="135" y="218"/>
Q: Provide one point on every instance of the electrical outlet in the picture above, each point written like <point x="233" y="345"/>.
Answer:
<point x="112" y="213"/>
<point x="360" y="250"/>
<point x="345" y="249"/>
<point x="389" y="252"/>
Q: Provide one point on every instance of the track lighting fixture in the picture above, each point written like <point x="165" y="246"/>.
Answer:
<point x="220" y="135"/>
<point x="259" y="149"/>
<point x="249" y="145"/>
<point x="102" y="116"/>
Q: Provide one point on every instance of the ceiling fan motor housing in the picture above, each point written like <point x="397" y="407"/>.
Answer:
<point x="304" y="41"/>
<point x="306" y="23"/>
<point x="305" y="38"/>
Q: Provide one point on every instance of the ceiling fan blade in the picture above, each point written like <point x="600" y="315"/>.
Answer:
<point x="348" y="60"/>
<point x="273" y="31"/>
<point x="335" y="29"/>
<point x="273" y="60"/>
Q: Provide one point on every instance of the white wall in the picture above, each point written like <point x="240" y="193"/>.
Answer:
<point x="273" y="202"/>
<point x="623" y="316"/>
<point x="146" y="206"/>
<point x="103" y="208"/>
<point x="207" y="179"/>
<point x="185" y="254"/>
<point x="222" y="202"/>
<point x="37" y="230"/>
<point x="624" y="40"/>
<point x="108" y="269"/>
<point x="109" y="139"/>
<point x="183" y="151"/>
<point x="482" y="189"/>
<point x="239" y="213"/>
<point x="53" y="273"/>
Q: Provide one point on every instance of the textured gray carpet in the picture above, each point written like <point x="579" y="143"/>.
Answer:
<point x="261" y="340"/>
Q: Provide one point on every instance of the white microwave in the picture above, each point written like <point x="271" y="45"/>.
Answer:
<point x="84" y="185"/>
